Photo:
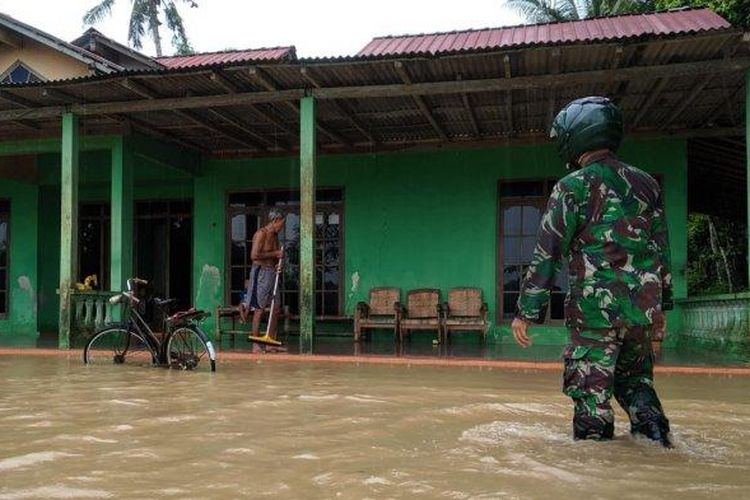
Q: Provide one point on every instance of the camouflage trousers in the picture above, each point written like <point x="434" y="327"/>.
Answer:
<point x="603" y="363"/>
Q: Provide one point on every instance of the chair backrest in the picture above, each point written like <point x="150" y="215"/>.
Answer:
<point x="422" y="303"/>
<point x="466" y="301"/>
<point x="383" y="300"/>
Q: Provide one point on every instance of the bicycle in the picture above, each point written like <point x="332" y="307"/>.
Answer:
<point x="133" y="342"/>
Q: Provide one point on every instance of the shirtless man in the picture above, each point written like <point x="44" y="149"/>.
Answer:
<point x="266" y="257"/>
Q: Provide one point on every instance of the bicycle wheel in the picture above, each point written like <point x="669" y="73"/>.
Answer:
<point x="118" y="346"/>
<point x="189" y="349"/>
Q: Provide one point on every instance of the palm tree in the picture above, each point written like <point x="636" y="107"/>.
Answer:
<point x="146" y="14"/>
<point x="546" y="11"/>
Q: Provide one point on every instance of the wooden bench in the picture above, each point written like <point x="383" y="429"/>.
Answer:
<point x="233" y="313"/>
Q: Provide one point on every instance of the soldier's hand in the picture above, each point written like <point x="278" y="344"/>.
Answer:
<point x="659" y="325"/>
<point x="520" y="329"/>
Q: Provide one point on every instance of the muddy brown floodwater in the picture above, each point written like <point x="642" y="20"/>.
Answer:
<point x="292" y="430"/>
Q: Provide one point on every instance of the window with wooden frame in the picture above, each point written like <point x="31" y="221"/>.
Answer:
<point x="248" y="211"/>
<point x="4" y="256"/>
<point x="521" y="206"/>
<point x="93" y="242"/>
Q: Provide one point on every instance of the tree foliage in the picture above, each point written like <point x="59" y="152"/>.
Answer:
<point x="544" y="11"/>
<point x="717" y="262"/>
<point x="145" y="16"/>
<point x="737" y="12"/>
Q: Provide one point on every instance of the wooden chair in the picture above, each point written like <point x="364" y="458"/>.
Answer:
<point x="465" y="312"/>
<point x="379" y="312"/>
<point x="423" y="311"/>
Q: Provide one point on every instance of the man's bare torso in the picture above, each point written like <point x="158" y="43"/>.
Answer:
<point x="268" y="242"/>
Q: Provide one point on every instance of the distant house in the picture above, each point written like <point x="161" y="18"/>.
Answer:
<point x="427" y="155"/>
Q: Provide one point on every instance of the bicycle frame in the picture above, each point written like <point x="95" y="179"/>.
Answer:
<point x="137" y="323"/>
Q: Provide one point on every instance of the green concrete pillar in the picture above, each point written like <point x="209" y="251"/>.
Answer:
<point x="747" y="164"/>
<point x="307" y="225"/>
<point x="68" y="223"/>
<point x="121" y="250"/>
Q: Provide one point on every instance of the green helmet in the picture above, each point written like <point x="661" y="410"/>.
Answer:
<point x="586" y="124"/>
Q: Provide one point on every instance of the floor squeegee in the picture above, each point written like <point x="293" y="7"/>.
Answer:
<point x="267" y="339"/>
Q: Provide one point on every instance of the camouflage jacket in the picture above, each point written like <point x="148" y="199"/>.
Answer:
<point x="607" y="219"/>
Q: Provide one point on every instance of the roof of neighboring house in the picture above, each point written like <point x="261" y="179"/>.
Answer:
<point x="101" y="64"/>
<point x="230" y="56"/>
<point x="92" y="37"/>
<point x="674" y="22"/>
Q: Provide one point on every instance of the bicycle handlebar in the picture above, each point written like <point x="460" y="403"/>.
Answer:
<point x="130" y="293"/>
<point x="135" y="281"/>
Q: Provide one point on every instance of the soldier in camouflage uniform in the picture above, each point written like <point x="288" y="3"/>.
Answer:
<point x="607" y="219"/>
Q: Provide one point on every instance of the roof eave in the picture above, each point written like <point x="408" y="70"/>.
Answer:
<point x="142" y="58"/>
<point x="60" y="46"/>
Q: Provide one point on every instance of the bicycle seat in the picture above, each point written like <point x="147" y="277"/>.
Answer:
<point x="192" y="313"/>
<point x="163" y="302"/>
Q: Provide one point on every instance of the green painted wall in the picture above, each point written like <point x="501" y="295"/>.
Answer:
<point x="21" y="321"/>
<point x="418" y="219"/>
<point x="153" y="180"/>
<point x="412" y="219"/>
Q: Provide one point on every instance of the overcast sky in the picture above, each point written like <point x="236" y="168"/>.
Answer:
<point x="315" y="27"/>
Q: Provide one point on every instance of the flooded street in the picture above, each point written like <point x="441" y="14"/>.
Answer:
<point x="297" y="430"/>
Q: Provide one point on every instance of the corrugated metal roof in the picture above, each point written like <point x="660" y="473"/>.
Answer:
<point x="374" y="122"/>
<point x="585" y="31"/>
<point x="229" y="56"/>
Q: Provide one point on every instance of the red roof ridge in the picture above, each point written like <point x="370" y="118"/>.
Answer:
<point x="549" y="23"/>
<point x="621" y="27"/>
<point x="290" y="48"/>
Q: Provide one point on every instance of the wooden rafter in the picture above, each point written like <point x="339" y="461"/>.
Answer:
<point x="616" y="62"/>
<point x="28" y="124"/>
<point x="635" y="59"/>
<point x="509" y="94"/>
<point x="223" y="81"/>
<point x="23" y="103"/>
<point x="419" y="101"/>
<point x="653" y="95"/>
<point x="341" y="107"/>
<point x="685" y="102"/>
<point x="470" y="111"/>
<point x="231" y="87"/>
<point x="555" y="65"/>
<point x="236" y="123"/>
<point x="148" y="93"/>
<point x="723" y="105"/>
<point x="18" y="100"/>
<point x="540" y="138"/>
<point x="128" y="121"/>
<point x="265" y="82"/>
<point x="678" y="70"/>
<point x="159" y="134"/>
